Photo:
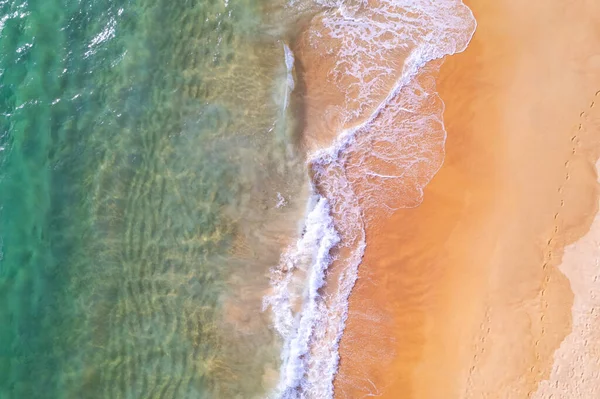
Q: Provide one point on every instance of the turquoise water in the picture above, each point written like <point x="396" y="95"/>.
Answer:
<point x="143" y="145"/>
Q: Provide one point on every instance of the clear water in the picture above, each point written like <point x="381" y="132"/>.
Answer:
<point x="154" y="173"/>
<point x="144" y="148"/>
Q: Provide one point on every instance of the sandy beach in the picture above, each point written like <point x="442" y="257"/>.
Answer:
<point x="300" y="199"/>
<point x="472" y="293"/>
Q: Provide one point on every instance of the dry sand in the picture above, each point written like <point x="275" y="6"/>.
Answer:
<point x="465" y="296"/>
<point x="576" y="369"/>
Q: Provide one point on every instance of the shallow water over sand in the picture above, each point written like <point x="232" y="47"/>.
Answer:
<point x="146" y="146"/>
<point x="183" y="185"/>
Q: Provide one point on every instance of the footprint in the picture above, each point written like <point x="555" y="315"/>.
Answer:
<point x="560" y="190"/>
<point x="575" y="137"/>
<point x="555" y="216"/>
<point x="567" y="177"/>
<point x="581" y="115"/>
<point x="598" y="93"/>
<point x="592" y="104"/>
<point x="556" y="229"/>
<point x="579" y="128"/>
<point x="562" y="203"/>
<point x="567" y="164"/>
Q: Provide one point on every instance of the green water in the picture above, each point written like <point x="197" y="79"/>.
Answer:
<point x="142" y="144"/>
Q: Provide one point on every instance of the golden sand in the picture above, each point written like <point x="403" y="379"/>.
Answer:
<point x="576" y="369"/>
<point x="462" y="297"/>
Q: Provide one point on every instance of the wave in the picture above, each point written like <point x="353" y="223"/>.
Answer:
<point x="376" y="61"/>
<point x="289" y="81"/>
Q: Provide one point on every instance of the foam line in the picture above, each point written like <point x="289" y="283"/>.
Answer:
<point x="311" y="324"/>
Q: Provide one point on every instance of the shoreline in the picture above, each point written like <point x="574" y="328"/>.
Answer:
<point x="354" y="129"/>
<point x="470" y="278"/>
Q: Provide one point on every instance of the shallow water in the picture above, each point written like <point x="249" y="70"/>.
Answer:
<point x="144" y="148"/>
<point x="184" y="185"/>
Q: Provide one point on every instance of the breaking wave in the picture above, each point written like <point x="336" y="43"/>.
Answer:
<point x="376" y="135"/>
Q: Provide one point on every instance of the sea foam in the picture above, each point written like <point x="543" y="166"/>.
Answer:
<point x="389" y="149"/>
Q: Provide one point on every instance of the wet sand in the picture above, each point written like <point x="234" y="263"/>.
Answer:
<point x="465" y="296"/>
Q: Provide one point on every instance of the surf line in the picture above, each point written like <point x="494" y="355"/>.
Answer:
<point x="311" y="324"/>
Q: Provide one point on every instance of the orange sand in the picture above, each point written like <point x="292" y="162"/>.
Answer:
<point x="462" y="297"/>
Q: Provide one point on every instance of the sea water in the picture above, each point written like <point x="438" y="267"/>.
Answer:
<point x="146" y="155"/>
<point x="185" y="185"/>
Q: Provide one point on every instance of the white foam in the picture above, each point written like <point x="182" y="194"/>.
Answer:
<point x="290" y="84"/>
<point x="366" y="39"/>
<point x="281" y="201"/>
<point x="308" y="261"/>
